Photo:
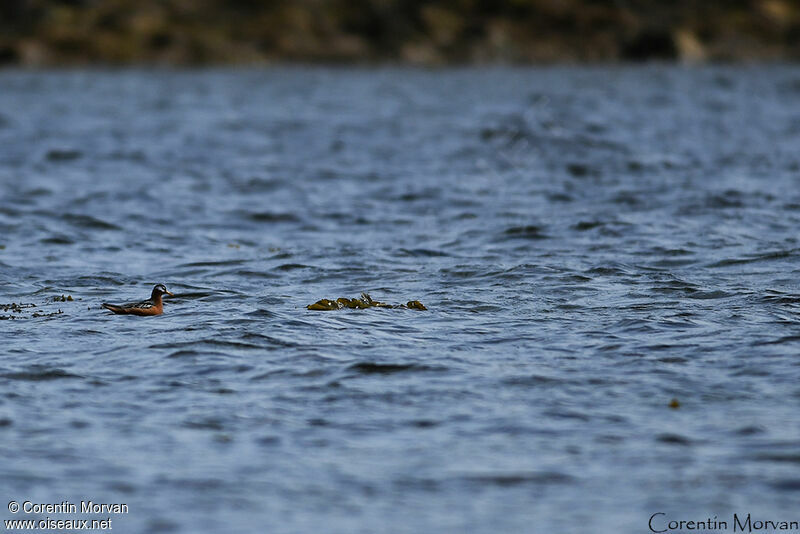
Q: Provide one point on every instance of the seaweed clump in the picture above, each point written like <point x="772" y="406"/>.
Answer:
<point x="14" y="308"/>
<point x="361" y="303"/>
<point x="25" y="310"/>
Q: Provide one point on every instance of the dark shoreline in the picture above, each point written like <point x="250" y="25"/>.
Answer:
<point x="452" y="32"/>
<point x="376" y="66"/>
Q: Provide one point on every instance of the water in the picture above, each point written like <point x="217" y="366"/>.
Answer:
<point x="591" y="243"/>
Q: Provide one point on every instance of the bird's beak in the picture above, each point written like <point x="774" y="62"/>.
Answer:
<point x="170" y="294"/>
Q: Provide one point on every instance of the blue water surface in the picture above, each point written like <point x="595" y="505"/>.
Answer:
<point x="591" y="243"/>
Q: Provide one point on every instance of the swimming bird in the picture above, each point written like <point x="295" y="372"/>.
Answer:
<point x="151" y="306"/>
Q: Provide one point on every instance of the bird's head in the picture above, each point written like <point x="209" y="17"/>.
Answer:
<point x="160" y="289"/>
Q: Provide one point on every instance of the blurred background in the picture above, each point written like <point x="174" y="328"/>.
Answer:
<point x="196" y="32"/>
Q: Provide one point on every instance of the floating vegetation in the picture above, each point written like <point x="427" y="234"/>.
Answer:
<point x="50" y="314"/>
<point x="24" y="310"/>
<point x="14" y="308"/>
<point x="674" y="404"/>
<point x="361" y="303"/>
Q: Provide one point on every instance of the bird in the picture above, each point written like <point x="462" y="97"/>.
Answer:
<point x="151" y="306"/>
